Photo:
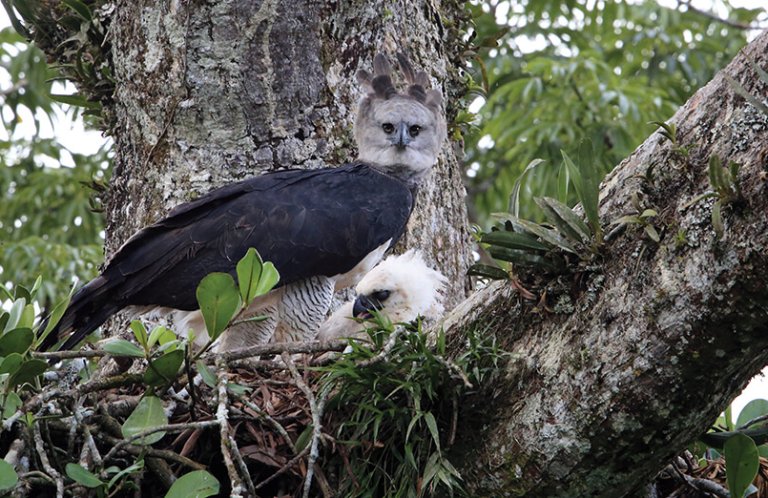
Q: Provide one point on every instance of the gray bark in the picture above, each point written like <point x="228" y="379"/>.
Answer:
<point x="654" y="342"/>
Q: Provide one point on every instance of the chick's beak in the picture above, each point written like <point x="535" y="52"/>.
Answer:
<point x="364" y="305"/>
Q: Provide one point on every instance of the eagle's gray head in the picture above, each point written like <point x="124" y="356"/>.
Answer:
<point x="400" y="133"/>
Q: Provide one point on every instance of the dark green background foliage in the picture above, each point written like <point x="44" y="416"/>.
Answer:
<point x="47" y="223"/>
<point x="555" y="72"/>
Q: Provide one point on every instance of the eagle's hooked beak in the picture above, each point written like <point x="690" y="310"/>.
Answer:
<point x="402" y="137"/>
<point x="364" y="305"/>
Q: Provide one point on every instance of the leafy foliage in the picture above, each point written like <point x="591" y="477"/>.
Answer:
<point x="554" y="73"/>
<point x="396" y="414"/>
<point x="48" y="225"/>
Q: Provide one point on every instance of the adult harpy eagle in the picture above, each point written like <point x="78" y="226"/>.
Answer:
<point x="402" y="287"/>
<point x="319" y="227"/>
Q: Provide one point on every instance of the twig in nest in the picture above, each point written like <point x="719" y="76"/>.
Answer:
<point x="53" y="473"/>
<point x="278" y="348"/>
<point x="37" y="401"/>
<point x="164" y="428"/>
<point x="243" y="467"/>
<point x="221" y="418"/>
<point x="284" y="468"/>
<point x="700" y="484"/>
<point x="143" y="450"/>
<point x="266" y="416"/>
<point x="316" y="406"/>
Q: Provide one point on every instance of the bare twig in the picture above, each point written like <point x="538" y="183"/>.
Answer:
<point x="316" y="406"/>
<point x="144" y="450"/>
<point x="35" y="402"/>
<point x="284" y="468"/>
<point x="278" y="348"/>
<point x="750" y="423"/>
<point x="221" y="418"/>
<point x="274" y="423"/>
<point x="68" y="355"/>
<point x="53" y="473"/>
<point x="456" y="370"/>
<point x="172" y="428"/>
<point x="713" y="17"/>
<point x="242" y="466"/>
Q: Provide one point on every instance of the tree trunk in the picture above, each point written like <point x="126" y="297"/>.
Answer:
<point x="632" y="360"/>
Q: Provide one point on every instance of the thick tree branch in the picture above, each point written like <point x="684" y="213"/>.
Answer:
<point x="661" y="337"/>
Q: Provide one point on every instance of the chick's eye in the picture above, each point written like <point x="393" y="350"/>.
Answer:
<point x="388" y="128"/>
<point x="414" y="130"/>
<point x="381" y="295"/>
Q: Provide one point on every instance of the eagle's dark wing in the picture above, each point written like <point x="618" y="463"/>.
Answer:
<point x="307" y="222"/>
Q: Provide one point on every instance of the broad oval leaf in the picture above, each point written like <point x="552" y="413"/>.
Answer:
<point x="11" y="403"/>
<point x="140" y="332"/>
<point x="14" y="314"/>
<point x="163" y="370"/>
<point x="198" y="483"/>
<point x="219" y="300"/>
<point x="11" y="363"/>
<point x="741" y="463"/>
<point x="8" y="476"/>
<point x="160" y="335"/>
<point x="83" y="476"/>
<point x="248" y="274"/>
<point x="121" y="347"/>
<point x="28" y="371"/>
<point x="206" y="373"/>
<point x="16" y="341"/>
<point x="147" y="415"/>
<point x="753" y="409"/>
<point x="269" y="278"/>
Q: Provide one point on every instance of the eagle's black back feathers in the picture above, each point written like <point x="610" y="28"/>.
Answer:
<point x="307" y="222"/>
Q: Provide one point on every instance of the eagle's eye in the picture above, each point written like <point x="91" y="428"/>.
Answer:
<point x="414" y="130"/>
<point x="381" y="295"/>
<point x="388" y="128"/>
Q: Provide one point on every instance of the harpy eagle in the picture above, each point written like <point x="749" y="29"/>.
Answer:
<point x="402" y="287"/>
<point x="322" y="229"/>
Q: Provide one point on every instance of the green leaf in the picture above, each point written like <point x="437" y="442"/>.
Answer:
<point x="198" y="484"/>
<point x="11" y="363"/>
<point x="17" y="308"/>
<point x="28" y="371"/>
<point x="741" y="463"/>
<point x="8" y="476"/>
<point x="565" y="219"/>
<point x="586" y="181"/>
<point x="140" y="333"/>
<point x="269" y="278"/>
<point x="163" y="370"/>
<point x="303" y="440"/>
<point x="16" y="341"/>
<point x="514" y="198"/>
<point x="75" y="100"/>
<point x="513" y="240"/>
<point x="206" y="373"/>
<point x="488" y="271"/>
<point x="147" y="415"/>
<point x="432" y="426"/>
<point x="748" y="96"/>
<point x="161" y="335"/>
<point x="12" y="402"/>
<point x="121" y="347"/>
<point x="525" y="259"/>
<point x="219" y="300"/>
<point x="650" y="230"/>
<point x="80" y="8"/>
<point x="248" y="274"/>
<point x="717" y="220"/>
<point x="755" y="408"/>
<point x="55" y="316"/>
<point x="82" y="476"/>
<point x="547" y="235"/>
